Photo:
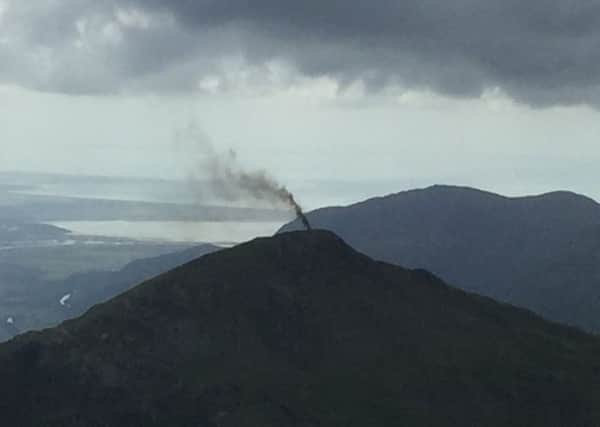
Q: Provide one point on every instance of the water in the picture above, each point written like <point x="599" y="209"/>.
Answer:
<point x="174" y="231"/>
<point x="139" y="190"/>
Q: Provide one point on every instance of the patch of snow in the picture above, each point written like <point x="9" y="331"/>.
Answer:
<point x="64" y="299"/>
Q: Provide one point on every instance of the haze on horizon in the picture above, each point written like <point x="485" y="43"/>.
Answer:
<point x="500" y="95"/>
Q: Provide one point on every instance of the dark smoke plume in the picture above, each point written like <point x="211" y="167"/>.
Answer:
<point x="228" y="180"/>
<point x="299" y="212"/>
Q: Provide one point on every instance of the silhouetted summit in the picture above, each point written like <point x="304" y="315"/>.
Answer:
<point x="539" y="252"/>
<point x="300" y="330"/>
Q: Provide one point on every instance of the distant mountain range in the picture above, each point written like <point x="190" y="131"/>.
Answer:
<point x="300" y="330"/>
<point x="540" y="252"/>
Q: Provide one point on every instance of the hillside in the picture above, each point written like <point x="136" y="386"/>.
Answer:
<point x="540" y="252"/>
<point x="31" y="301"/>
<point x="300" y="330"/>
<point x="90" y="288"/>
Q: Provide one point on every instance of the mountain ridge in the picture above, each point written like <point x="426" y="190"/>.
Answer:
<point x="539" y="252"/>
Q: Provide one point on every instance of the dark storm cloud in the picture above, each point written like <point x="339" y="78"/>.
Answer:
<point x="538" y="51"/>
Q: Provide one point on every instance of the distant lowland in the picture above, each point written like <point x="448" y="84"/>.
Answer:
<point x="69" y="242"/>
<point x="102" y="205"/>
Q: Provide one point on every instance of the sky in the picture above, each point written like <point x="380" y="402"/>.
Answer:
<point x="377" y="96"/>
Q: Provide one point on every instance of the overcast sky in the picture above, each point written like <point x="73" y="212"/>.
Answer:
<point x="499" y="94"/>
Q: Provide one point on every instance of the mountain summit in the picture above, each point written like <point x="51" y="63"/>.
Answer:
<point x="300" y="330"/>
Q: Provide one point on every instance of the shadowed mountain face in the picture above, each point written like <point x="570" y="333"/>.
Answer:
<point x="541" y="252"/>
<point x="300" y="330"/>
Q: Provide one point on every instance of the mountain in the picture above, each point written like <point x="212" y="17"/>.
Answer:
<point x="300" y="330"/>
<point x="540" y="252"/>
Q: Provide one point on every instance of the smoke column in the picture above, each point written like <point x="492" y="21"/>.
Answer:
<point x="226" y="179"/>
<point x="299" y="213"/>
